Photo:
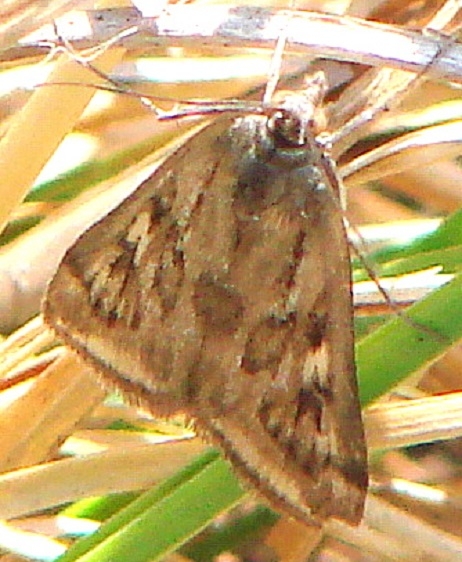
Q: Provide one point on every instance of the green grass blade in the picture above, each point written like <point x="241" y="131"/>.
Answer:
<point x="397" y="349"/>
<point x="164" y="518"/>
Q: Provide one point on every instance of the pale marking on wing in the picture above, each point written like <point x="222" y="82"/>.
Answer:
<point x="277" y="477"/>
<point x="138" y="234"/>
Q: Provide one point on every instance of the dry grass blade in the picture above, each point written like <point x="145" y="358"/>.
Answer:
<point x="209" y="26"/>
<point x="20" y="17"/>
<point x="33" y="424"/>
<point x="25" y="342"/>
<point x="413" y="422"/>
<point x="63" y="105"/>
<point x="139" y="466"/>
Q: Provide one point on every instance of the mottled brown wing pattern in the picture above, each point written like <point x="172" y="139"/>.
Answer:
<point x="221" y="288"/>
<point x="119" y="292"/>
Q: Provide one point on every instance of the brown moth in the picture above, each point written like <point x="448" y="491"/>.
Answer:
<point x="221" y="288"/>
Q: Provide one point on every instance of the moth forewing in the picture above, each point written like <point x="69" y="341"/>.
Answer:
<point x="221" y="288"/>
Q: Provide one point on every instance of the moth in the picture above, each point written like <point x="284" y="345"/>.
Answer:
<point x="221" y="288"/>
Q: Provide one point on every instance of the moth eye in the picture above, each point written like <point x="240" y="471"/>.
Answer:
<point x="287" y="129"/>
<point x="219" y="305"/>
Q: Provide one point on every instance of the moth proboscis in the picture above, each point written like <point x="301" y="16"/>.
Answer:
<point x="221" y="288"/>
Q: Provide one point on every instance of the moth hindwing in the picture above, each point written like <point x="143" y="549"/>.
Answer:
<point x="221" y="288"/>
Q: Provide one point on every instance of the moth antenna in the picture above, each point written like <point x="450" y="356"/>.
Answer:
<point x="367" y="265"/>
<point x="329" y="139"/>
<point x="193" y="108"/>
<point x="340" y="203"/>
<point x="386" y="297"/>
<point x="86" y="57"/>
<point x="369" y="112"/>
<point x="117" y="88"/>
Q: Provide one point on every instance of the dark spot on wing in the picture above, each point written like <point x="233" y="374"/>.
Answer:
<point x="217" y="304"/>
<point x="169" y="274"/>
<point x="316" y="329"/>
<point x="266" y="344"/>
<point x="311" y="403"/>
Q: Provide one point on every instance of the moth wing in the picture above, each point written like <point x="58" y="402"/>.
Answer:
<point x="118" y="296"/>
<point x="290" y="418"/>
<point x="275" y="382"/>
<point x="221" y="288"/>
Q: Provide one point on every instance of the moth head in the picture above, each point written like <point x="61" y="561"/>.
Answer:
<point x="287" y="128"/>
<point x="299" y="116"/>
